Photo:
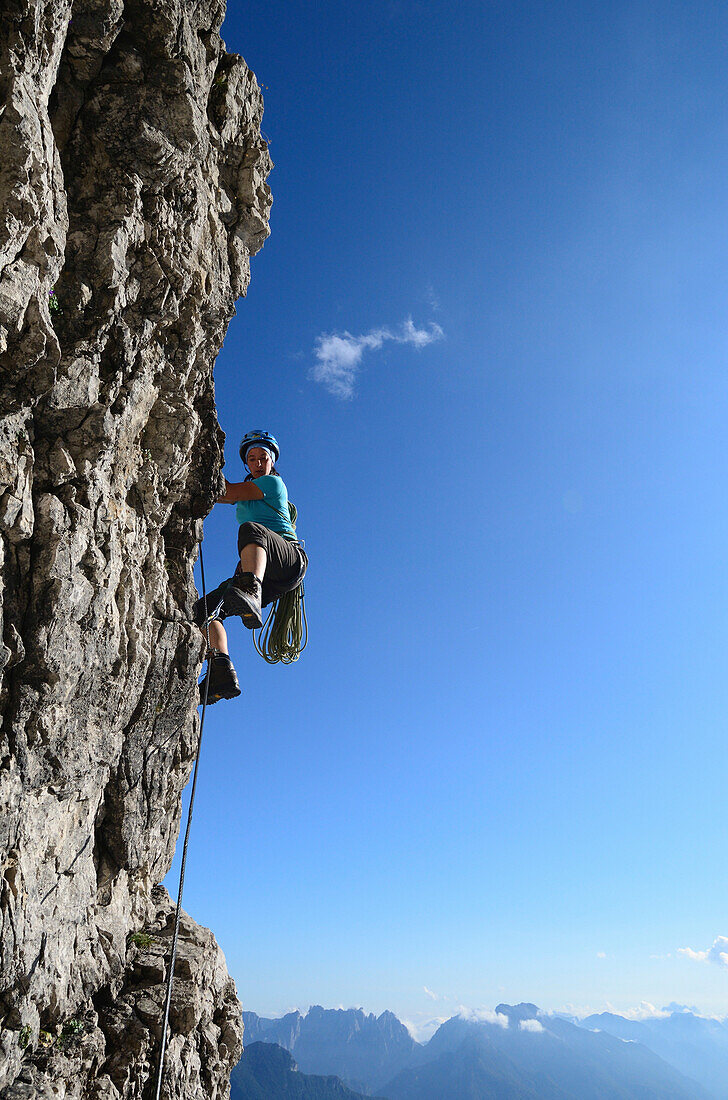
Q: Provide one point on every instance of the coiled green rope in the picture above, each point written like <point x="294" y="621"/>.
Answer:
<point x="284" y="634"/>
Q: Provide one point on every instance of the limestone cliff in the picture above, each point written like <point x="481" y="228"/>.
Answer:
<point x="132" y="194"/>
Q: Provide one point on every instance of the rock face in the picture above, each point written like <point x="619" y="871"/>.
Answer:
<point x="132" y="194"/>
<point x="110" y="1047"/>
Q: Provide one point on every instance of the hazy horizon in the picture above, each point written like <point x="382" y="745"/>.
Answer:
<point x="423" y="1030"/>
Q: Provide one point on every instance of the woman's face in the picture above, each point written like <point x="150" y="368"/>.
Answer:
<point x="259" y="461"/>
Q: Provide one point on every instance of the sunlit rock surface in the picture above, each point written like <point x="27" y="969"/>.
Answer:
<point x="132" y="194"/>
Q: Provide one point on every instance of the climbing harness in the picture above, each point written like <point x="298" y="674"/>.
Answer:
<point x="178" y="909"/>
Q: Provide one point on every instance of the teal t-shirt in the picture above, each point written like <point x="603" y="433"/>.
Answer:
<point x="272" y="510"/>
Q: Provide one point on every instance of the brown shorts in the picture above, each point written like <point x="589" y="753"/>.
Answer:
<point x="287" y="561"/>
<point x="285" y="569"/>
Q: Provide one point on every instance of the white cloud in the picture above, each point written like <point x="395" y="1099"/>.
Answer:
<point x="429" y="993"/>
<point x="643" y="1011"/>
<point x="601" y="954"/>
<point x="530" y="1025"/>
<point x="339" y="354"/>
<point x="483" y="1016"/>
<point x="419" y="337"/>
<point x="717" y="953"/>
<point x="423" y="1030"/>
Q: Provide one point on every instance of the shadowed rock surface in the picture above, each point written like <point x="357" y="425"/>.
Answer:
<point x="268" y="1072"/>
<point x="132" y="194"/>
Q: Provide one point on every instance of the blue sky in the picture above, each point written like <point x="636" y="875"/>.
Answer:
<point x="498" y="771"/>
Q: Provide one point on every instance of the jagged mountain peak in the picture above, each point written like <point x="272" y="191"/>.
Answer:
<point x="356" y="1046"/>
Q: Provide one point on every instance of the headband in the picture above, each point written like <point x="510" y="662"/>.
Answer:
<point x="262" y="446"/>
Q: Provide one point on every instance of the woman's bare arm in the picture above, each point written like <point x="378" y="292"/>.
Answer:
<point x="240" y="490"/>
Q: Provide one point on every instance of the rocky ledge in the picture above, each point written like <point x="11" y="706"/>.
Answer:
<point x="110" y="1047"/>
<point x="132" y="195"/>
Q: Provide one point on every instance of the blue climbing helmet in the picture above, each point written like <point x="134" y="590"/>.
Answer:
<point x="259" y="439"/>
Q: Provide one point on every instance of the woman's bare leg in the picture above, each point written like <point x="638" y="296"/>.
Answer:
<point x="253" y="559"/>
<point x="218" y="637"/>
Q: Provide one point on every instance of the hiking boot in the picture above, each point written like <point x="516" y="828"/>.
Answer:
<point x="243" y="598"/>
<point x="223" y="679"/>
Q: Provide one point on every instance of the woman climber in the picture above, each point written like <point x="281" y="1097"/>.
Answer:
<point x="272" y="561"/>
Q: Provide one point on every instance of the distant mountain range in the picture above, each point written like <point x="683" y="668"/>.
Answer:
<point x="516" y="1053"/>
<point x="695" y="1045"/>
<point x="364" y="1050"/>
